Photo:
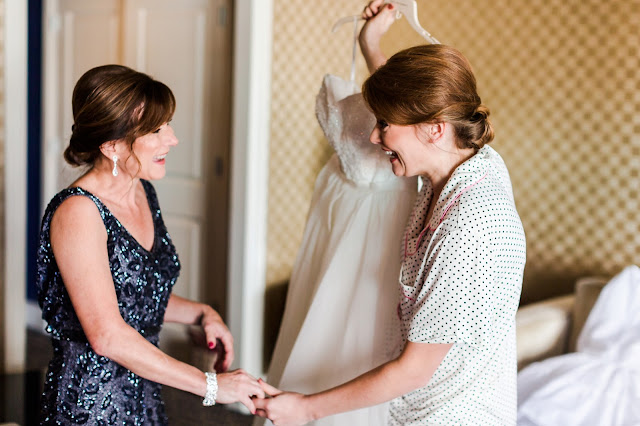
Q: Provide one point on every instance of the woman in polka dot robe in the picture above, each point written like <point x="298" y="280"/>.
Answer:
<point x="463" y="254"/>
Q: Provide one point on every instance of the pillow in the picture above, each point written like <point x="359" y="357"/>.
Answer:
<point x="587" y="292"/>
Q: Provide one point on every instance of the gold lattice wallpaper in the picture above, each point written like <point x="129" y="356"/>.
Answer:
<point x="562" y="79"/>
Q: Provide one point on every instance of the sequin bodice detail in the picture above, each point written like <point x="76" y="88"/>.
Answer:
<point x="85" y="388"/>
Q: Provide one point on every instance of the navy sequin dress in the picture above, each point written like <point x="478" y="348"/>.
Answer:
<point x="82" y="387"/>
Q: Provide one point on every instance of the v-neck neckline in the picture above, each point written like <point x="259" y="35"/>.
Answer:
<point x="107" y="210"/>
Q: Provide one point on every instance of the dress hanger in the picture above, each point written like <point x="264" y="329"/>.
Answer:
<point x="408" y="8"/>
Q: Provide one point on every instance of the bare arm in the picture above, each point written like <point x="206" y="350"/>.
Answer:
<point x="411" y="370"/>
<point x="379" y="18"/>
<point x="79" y="243"/>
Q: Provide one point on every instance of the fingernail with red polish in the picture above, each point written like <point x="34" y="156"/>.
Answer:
<point x="390" y="6"/>
<point x="211" y="345"/>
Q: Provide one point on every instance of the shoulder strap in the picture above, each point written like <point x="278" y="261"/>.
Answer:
<point x="70" y="192"/>
<point x="152" y="198"/>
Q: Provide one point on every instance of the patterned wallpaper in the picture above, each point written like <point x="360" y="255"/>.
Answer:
<point x="561" y="78"/>
<point x="304" y="50"/>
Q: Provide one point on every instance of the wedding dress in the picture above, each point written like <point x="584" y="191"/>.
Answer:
<point x="340" y="317"/>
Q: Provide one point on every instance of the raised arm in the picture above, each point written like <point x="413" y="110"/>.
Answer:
<point x="379" y="18"/>
<point x="411" y="370"/>
<point x="79" y="243"/>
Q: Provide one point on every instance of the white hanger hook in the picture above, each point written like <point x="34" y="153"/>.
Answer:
<point x="408" y="8"/>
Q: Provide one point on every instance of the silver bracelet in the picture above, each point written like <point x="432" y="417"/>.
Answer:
<point x="212" y="390"/>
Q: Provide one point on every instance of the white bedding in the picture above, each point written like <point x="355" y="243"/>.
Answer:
<point x="599" y="384"/>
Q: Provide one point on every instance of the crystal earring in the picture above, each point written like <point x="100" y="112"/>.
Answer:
<point x="115" y="165"/>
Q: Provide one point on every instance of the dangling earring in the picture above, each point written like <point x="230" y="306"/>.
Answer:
<point x="115" y="165"/>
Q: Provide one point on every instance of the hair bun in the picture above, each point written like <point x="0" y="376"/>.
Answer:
<point x="481" y="113"/>
<point x="484" y="128"/>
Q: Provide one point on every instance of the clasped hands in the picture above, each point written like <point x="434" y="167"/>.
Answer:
<point x="262" y="399"/>
<point x="282" y="408"/>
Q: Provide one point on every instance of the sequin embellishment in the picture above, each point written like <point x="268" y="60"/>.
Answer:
<point x="82" y="387"/>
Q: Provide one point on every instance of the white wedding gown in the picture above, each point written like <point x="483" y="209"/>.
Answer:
<point x="340" y="317"/>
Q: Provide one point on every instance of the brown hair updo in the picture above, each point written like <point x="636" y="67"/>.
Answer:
<point x="113" y="102"/>
<point x="429" y="84"/>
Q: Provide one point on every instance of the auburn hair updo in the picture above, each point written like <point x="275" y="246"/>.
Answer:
<point x="114" y="102"/>
<point x="429" y="84"/>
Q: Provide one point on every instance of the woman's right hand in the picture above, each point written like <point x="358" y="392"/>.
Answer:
<point x="284" y="408"/>
<point x="238" y="386"/>
<point x="379" y="17"/>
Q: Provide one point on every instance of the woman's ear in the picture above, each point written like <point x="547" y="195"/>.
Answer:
<point x="436" y="131"/>
<point x="431" y="132"/>
<point x="108" y="149"/>
<point x="116" y="147"/>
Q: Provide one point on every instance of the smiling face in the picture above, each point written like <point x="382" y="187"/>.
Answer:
<point x="402" y="145"/>
<point x="150" y="151"/>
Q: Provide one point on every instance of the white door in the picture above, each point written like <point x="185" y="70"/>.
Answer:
<point x="168" y="39"/>
<point x="78" y="35"/>
<point x="187" y="45"/>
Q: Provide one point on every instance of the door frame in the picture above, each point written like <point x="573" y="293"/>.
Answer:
<point x="15" y="183"/>
<point x="250" y="138"/>
<point x="253" y="25"/>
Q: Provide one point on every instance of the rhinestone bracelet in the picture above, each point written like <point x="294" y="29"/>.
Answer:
<point x="212" y="390"/>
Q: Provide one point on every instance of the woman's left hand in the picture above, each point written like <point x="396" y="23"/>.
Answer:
<point x="215" y="335"/>
<point x="283" y="408"/>
<point x="218" y="338"/>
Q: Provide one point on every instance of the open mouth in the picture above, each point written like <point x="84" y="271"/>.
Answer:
<point x="391" y="154"/>
<point x="159" y="158"/>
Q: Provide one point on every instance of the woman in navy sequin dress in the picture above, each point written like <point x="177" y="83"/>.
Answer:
<point x="106" y="266"/>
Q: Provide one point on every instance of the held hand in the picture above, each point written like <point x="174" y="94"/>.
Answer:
<point x="284" y="408"/>
<point x="218" y="338"/>
<point x="239" y="386"/>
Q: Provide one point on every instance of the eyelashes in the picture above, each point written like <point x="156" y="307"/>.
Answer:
<point x="383" y="124"/>
<point x="160" y="128"/>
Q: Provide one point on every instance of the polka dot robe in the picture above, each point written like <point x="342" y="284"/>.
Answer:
<point x="460" y="283"/>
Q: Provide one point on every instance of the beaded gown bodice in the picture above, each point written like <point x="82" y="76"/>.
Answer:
<point x="347" y="123"/>
<point x="82" y="387"/>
